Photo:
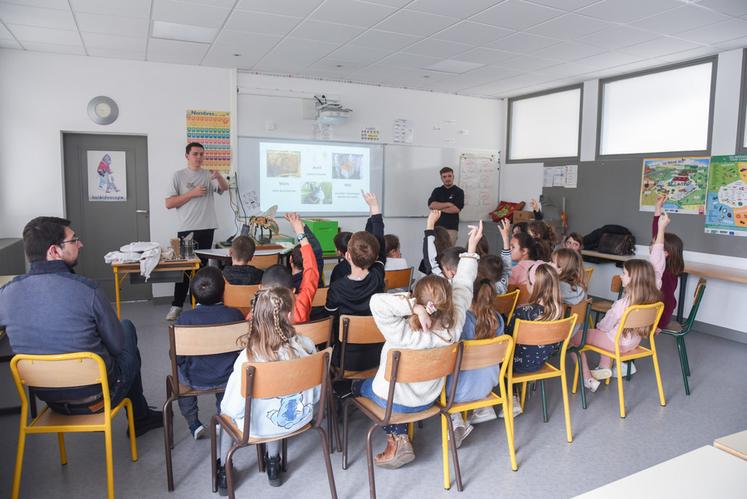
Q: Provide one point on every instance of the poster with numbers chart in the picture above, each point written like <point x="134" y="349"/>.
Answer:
<point x="726" y="202"/>
<point x="212" y="129"/>
<point x="478" y="178"/>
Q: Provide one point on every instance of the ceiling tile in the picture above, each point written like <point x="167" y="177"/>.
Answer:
<point x="352" y="12"/>
<point x="192" y="14"/>
<point x="473" y="33"/>
<point x="46" y="4"/>
<point x="570" y="27"/>
<point x="245" y="43"/>
<point x="227" y="4"/>
<point x="403" y="60"/>
<point x="728" y="7"/>
<point x="4" y="33"/>
<point x="136" y="55"/>
<point x="529" y="63"/>
<point x="523" y="43"/>
<point x="659" y="47"/>
<point x="616" y="37"/>
<point x="438" y="48"/>
<point x="130" y="8"/>
<point x="35" y="16"/>
<point x="300" y="8"/>
<point x="356" y="54"/>
<point x="326" y="32"/>
<point x="176" y="52"/>
<point x="567" y="5"/>
<point x="115" y="25"/>
<point x="125" y="43"/>
<point x="224" y="57"/>
<point x="461" y="9"/>
<point x="684" y="18"/>
<point x="608" y="60"/>
<point x="9" y="44"/>
<point x="566" y="69"/>
<point x="55" y="48"/>
<point x="292" y="53"/>
<point x="385" y="39"/>
<point x="33" y="34"/>
<point x="258" y="22"/>
<point x="627" y="10"/>
<point x="719" y="32"/>
<point x="338" y="67"/>
<point x="486" y="56"/>
<point x="570" y="51"/>
<point x="410" y="22"/>
<point x="732" y="44"/>
<point x="516" y="15"/>
<point x="689" y="55"/>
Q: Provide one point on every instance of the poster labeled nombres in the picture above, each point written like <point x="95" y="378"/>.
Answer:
<point x="683" y="180"/>
<point x="726" y="206"/>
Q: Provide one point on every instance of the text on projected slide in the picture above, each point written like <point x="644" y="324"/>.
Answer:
<point x="313" y="177"/>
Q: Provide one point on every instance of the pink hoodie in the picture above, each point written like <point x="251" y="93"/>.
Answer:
<point x="520" y="272"/>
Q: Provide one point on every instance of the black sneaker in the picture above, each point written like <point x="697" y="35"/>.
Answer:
<point x="273" y="470"/>
<point x="154" y="419"/>
<point x="222" y="481"/>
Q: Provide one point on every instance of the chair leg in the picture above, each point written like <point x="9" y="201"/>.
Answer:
<point x="454" y="455"/>
<point x="109" y="461"/>
<point x="229" y="472"/>
<point x="344" y="435"/>
<point x="629" y="367"/>
<point x="261" y="457"/>
<point x="131" y="426"/>
<point x="327" y="462"/>
<point x="19" y="461"/>
<point x="509" y="435"/>
<point x="543" y="396"/>
<point x="683" y="366"/>
<point x="687" y="359"/>
<point x="61" y="445"/>
<point x="168" y="435"/>
<point x="659" y="384"/>
<point x="574" y="385"/>
<point x="214" y="453"/>
<point x="584" y="403"/>
<point x="168" y="414"/>
<point x="369" y="456"/>
<point x="445" y="451"/>
<point x="411" y="431"/>
<point x="566" y="407"/>
<point x="523" y="394"/>
<point x="284" y="450"/>
<point x="510" y="413"/>
<point x="620" y="393"/>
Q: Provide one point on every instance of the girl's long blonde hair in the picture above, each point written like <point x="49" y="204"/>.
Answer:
<point x="570" y="267"/>
<point x="271" y="328"/>
<point x="641" y="290"/>
<point x="546" y="292"/>
<point x="437" y="290"/>
<point x="483" y="297"/>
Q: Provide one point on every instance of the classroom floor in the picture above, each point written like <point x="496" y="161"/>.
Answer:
<point x="605" y="447"/>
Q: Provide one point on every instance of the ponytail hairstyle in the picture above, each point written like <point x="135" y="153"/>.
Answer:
<point x="673" y="248"/>
<point x="483" y="298"/>
<point x="527" y="242"/>
<point x="434" y="293"/>
<point x="570" y="267"/>
<point x="271" y="329"/>
<point x="546" y="291"/>
<point x="641" y="290"/>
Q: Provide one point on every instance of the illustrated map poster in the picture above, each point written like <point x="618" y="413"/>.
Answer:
<point x="683" y="180"/>
<point x="107" y="175"/>
<point x="212" y="129"/>
<point x="726" y="211"/>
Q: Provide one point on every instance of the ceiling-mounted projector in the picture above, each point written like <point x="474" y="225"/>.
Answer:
<point x="330" y="112"/>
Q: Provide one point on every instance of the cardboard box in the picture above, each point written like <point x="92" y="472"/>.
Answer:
<point x="522" y="216"/>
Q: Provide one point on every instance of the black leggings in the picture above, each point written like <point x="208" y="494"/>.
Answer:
<point x="204" y="240"/>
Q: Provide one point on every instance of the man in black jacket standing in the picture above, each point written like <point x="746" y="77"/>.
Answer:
<point x="449" y="199"/>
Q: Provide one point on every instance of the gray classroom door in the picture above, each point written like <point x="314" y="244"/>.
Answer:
<point x="106" y="196"/>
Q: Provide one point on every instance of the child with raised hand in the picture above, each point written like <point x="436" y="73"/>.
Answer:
<point x="270" y="338"/>
<point x="524" y="252"/>
<point x="570" y="268"/>
<point x="641" y="280"/>
<point x="482" y="322"/>
<point x="435" y="241"/>
<point x="433" y="317"/>
<point x="504" y="274"/>
<point x="675" y="264"/>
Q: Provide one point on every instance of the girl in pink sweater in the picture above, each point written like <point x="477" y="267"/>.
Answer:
<point x="642" y="282"/>
<point x="524" y="251"/>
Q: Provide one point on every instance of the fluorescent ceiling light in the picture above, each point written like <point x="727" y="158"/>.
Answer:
<point x="183" y="32"/>
<point x="452" y="66"/>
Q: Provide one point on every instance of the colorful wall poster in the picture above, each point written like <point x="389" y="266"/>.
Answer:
<point x="683" y="180"/>
<point x="726" y="207"/>
<point x="212" y="129"/>
<point x="107" y="175"/>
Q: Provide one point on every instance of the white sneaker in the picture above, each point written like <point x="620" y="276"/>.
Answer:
<point x="174" y="313"/>
<point x="633" y="370"/>
<point x="591" y="384"/>
<point x="482" y="415"/>
<point x="601" y="373"/>
<point x="461" y="432"/>
<point x="517" y="410"/>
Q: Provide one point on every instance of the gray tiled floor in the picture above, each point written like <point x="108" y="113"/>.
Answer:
<point x="548" y="465"/>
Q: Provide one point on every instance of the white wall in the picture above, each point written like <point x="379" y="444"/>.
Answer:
<point x="42" y="95"/>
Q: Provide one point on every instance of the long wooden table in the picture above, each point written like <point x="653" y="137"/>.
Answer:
<point x="121" y="270"/>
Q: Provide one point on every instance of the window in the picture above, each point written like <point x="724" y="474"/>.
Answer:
<point x="544" y="126"/>
<point x="667" y="110"/>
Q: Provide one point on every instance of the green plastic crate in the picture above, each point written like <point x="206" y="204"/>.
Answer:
<point x="325" y="231"/>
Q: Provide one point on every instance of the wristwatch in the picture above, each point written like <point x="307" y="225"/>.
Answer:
<point x="300" y="237"/>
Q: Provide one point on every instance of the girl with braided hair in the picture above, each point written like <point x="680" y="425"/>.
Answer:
<point x="271" y="338"/>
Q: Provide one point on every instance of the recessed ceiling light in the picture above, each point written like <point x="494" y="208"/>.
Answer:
<point x="426" y="76"/>
<point x="183" y="32"/>
<point x="237" y="55"/>
<point x="452" y="66"/>
<point x="338" y="65"/>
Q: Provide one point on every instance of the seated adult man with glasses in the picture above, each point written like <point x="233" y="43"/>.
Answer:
<point x="51" y="310"/>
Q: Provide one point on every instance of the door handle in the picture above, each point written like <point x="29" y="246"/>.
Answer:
<point x="141" y="211"/>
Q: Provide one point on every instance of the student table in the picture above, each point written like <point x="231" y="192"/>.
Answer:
<point x="121" y="270"/>
<point x="221" y="254"/>
<point x="704" y="472"/>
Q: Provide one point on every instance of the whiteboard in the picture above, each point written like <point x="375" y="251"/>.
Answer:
<point x="410" y="175"/>
<point x="478" y="177"/>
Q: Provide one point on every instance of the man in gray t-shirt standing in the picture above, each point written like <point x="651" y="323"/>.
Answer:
<point x="191" y="193"/>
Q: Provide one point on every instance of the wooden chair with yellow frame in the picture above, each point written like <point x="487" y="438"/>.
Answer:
<point x="505" y="304"/>
<point x="406" y="366"/>
<point x="479" y="354"/>
<point x="601" y="306"/>
<point x="582" y="311"/>
<point x="193" y="341"/>
<point x="588" y="272"/>
<point x="266" y="380"/>
<point x="543" y="333"/>
<point x="320" y="298"/>
<point x="643" y="317"/>
<point x="265" y="261"/>
<point x="398" y="279"/>
<point x="240" y="297"/>
<point x="66" y="371"/>
<point x="523" y="293"/>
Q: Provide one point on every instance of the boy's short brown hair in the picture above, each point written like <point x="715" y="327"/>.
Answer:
<point x="364" y="249"/>
<point x="242" y="248"/>
<point x="391" y="242"/>
<point x="341" y="241"/>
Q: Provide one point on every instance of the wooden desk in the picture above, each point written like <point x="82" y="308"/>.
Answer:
<point x="122" y="269"/>
<point x="607" y="256"/>
<point x="704" y="472"/>
<point x="221" y="254"/>
<point x="735" y="444"/>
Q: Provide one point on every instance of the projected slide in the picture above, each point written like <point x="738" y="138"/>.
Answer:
<point x="313" y="177"/>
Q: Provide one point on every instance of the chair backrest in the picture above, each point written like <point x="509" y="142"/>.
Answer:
<point x="641" y="316"/>
<point x="488" y="352"/>
<point x="265" y="261"/>
<point x="237" y="296"/>
<point x="698" y="297"/>
<point x="208" y="340"/>
<point x="397" y="279"/>
<point x="588" y="272"/>
<point x="616" y="285"/>
<point x="505" y="304"/>
<point x="284" y="377"/>
<point x="543" y="332"/>
<point x="523" y="293"/>
<point x="320" y="298"/>
<point x="359" y="329"/>
<point x="320" y="332"/>
<point x="413" y="366"/>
